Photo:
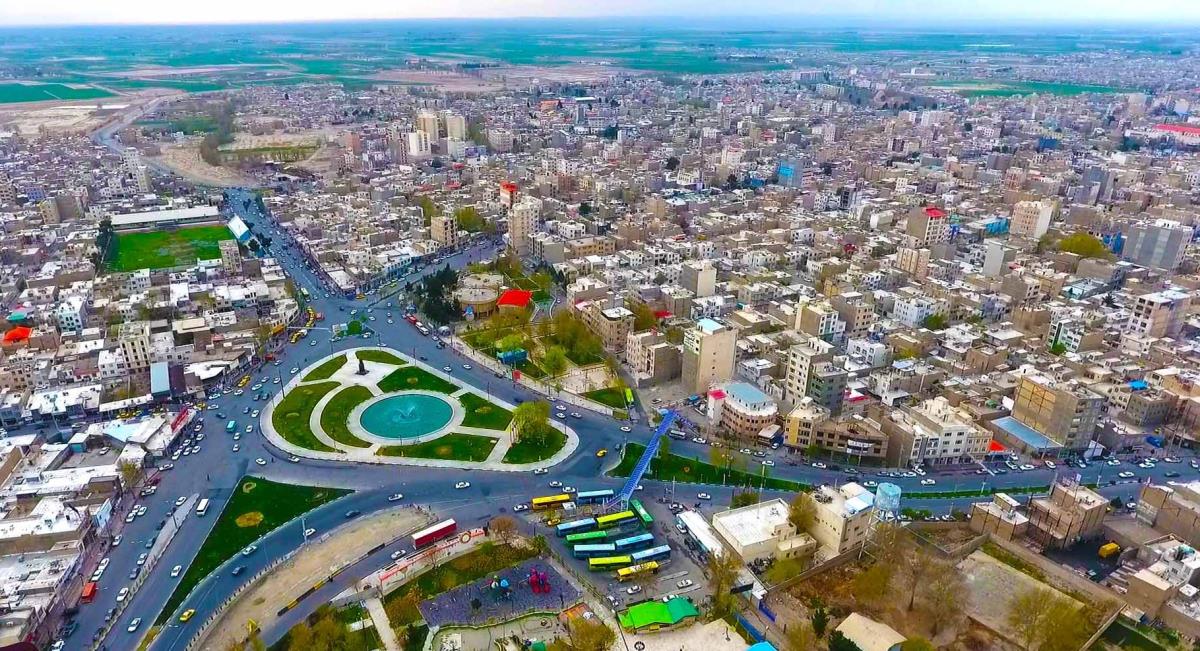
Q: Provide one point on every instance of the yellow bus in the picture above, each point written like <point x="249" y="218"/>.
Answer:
<point x="549" y="501"/>
<point x="608" y="563"/>
<point x="626" y="573"/>
<point x="614" y="519"/>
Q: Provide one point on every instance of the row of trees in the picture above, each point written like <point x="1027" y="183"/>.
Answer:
<point x="221" y="135"/>
<point x="435" y="296"/>
<point x="531" y="423"/>
<point x="323" y="631"/>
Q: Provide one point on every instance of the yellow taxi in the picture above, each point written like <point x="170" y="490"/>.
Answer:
<point x="601" y="452"/>
<point x="187" y="614"/>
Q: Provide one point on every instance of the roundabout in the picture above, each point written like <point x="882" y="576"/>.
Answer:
<point x="376" y="405"/>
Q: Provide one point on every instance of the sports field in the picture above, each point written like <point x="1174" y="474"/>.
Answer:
<point x="166" y="248"/>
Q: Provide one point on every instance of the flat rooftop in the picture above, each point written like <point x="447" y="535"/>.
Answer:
<point x="755" y="523"/>
<point x="1026" y="434"/>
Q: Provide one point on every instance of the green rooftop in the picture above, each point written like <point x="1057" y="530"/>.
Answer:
<point x="655" y="614"/>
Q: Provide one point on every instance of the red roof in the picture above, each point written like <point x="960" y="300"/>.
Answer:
<point x="17" y="334"/>
<point x="1179" y="128"/>
<point x="935" y="212"/>
<point x="995" y="446"/>
<point x="515" y="298"/>
<point x="662" y="314"/>
<point x="509" y="186"/>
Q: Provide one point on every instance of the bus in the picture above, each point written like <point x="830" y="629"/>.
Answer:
<point x="634" y="542"/>
<point x="609" y="563"/>
<point x="587" y="537"/>
<point x="628" y="396"/>
<point x="575" y="526"/>
<point x="304" y="293"/>
<point x="549" y="501"/>
<point x="89" y="592"/>
<point x="614" y="519"/>
<point x="231" y="427"/>
<point x="594" y="497"/>
<point x="652" y="554"/>
<point x="592" y="551"/>
<point x="432" y="534"/>
<point x="202" y="507"/>
<point x="641" y="512"/>
<point x="626" y="573"/>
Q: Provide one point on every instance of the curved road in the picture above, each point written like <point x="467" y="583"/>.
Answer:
<point x="214" y="472"/>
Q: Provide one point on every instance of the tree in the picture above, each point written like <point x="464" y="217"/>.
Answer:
<point x="131" y="473"/>
<point x="354" y="327"/>
<point x="1058" y="348"/>
<point x="800" y="637"/>
<point x="585" y="209"/>
<point x="1027" y="616"/>
<point x="590" y="635"/>
<point x="744" y="498"/>
<point x="916" y="644"/>
<point x="722" y="571"/>
<point x="819" y="619"/>
<point x="934" y="322"/>
<point x="1085" y="245"/>
<point x="429" y="209"/>
<point x="643" y="315"/>
<point x="468" y="219"/>
<point x="870" y="586"/>
<point x="917" y="568"/>
<point x="672" y="163"/>
<point x="802" y="511"/>
<point x="503" y="528"/>
<point x="813" y="450"/>
<point x="839" y="642"/>
<point x="944" y="596"/>
<point x="554" y="360"/>
<point x="1046" y="621"/>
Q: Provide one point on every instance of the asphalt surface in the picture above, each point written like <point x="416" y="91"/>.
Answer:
<point x="215" y="470"/>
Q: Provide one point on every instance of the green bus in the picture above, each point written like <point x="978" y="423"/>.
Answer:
<point x="588" y="537"/>
<point x="614" y="519"/>
<point x="628" y="396"/>
<point x="609" y="563"/>
<point x="641" y="512"/>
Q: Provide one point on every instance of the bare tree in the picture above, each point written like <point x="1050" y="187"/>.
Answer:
<point x="503" y="528"/>
<point x="944" y="595"/>
<point x="800" y="637"/>
<point x="1027" y="616"/>
<point x="916" y="569"/>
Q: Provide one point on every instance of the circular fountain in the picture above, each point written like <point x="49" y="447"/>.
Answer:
<point x="406" y="416"/>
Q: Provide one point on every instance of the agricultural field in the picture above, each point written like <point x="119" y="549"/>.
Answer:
<point x="999" y="88"/>
<point x="17" y="93"/>
<point x="162" y="249"/>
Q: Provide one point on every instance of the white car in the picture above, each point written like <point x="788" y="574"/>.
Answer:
<point x="395" y="497"/>
<point x="1125" y="475"/>
<point x="767" y="462"/>
<point x="180" y="501"/>
<point x="560" y="407"/>
<point x="928" y="482"/>
<point x="134" y="624"/>
<point x="254" y="414"/>
<point x="556" y="484"/>
<point x="122" y="594"/>
<point x="560" y="415"/>
<point x="276" y="380"/>
<point x="576" y="414"/>
<point x="466" y="367"/>
<point x="703" y="496"/>
<point x="520" y="507"/>
<point x="249" y="428"/>
<point x="462" y="484"/>
<point x="818" y="465"/>
<point x="1027" y="466"/>
<point x="541" y="471"/>
<point x="309" y="532"/>
<point x="237" y="436"/>
<point x="294" y="459"/>
<point x="237" y="447"/>
<point x="1111" y="462"/>
<point x="686" y="583"/>
<point x="293" y="372"/>
<point x="568" y="489"/>
<point x="699" y="439"/>
<point x="249" y="550"/>
<point x="633" y="589"/>
<point x="399" y="553"/>
<point x="261" y="461"/>
<point x="141" y="559"/>
<point x="1051" y="465"/>
<point x="626" y="428"/>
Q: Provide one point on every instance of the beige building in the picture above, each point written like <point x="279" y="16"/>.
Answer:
<point x="1160" y="314"/>
<point x="914" y="262"/>
<point x="231" y="257"/>
<point x="612" y="324"/>
<point x="843" y="517"/>
<point x="698" y="277"/>
<point x="743" y="411"/>
<point x="523" y="221"/>
<point x="1031" y="219"/>
<point x="762" y="531"/>
<point x="1069" y="514"/>
<point x="1000" y="517"/>
<point x="651" y="358"/>
<point x="444" y="230"/>
<point x="1172" y="508"/>
<point x="709" y="352"/>
<point x="802" y="359"/>
<point x="1063" y="412"/>
<point x="935" y="432"/>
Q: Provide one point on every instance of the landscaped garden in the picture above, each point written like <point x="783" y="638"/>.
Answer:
<point x="408" y="378"/>
<point x="336" y="414"/>
<point x="326" y="369"/>
<point x="532" y="451"/>
<point x="291" y="416"/>
<point x="451" y="447"/>
<point x="381" y="356"/>
<point x="484" y="414"/>
<point x="257" y="507"/>
<point x="610" y="397"/>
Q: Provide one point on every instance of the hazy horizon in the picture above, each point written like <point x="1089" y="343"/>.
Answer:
<point x="769" y="14"/>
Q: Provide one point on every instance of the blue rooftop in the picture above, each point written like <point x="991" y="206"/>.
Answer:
<point x="1138" y="385"/>
<point x="745" y="393"/>
<point x="1026" y="434"/>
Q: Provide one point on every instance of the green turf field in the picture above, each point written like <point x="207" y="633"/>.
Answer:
<point x="166" y="248"/>
<point x="14" y="93"/>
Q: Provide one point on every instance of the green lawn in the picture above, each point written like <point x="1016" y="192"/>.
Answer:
<point x="481" y="413"/>
<point x="411" y="377"/>
<point x="162" y="249"/>
<point x="524" y="452"/>
<point x="531" y="369"/>
<point x="256" y="507"/>
<point x="677" y="468"/>
<point x="451" y="447"/>
<point x="381" y="356"/>
<point x="326" y="369"/>
<point x="337" y="412"/>
<point x="610" y="397"/>
<point x="292" y="414"/>
<point x="487" y="559"/>
<point x="17" y="93"/>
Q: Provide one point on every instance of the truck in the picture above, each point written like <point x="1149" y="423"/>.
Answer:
<point x="432" y="534"/>
<point x="1110" y="549"/>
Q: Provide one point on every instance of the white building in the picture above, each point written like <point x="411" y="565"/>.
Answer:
<point x="761" y="531"/>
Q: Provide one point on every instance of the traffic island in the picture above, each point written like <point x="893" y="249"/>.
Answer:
<point x="373" y="405"/>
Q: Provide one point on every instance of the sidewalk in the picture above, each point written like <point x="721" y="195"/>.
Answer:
<point x="382" y="624"/>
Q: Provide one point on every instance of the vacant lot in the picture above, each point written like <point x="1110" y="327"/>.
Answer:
<point x="257" y="507"/>
<point x="993" y="586"/>
<point x="167" y="248"/>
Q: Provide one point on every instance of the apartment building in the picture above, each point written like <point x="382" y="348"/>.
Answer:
<point x="612" y="324"/>
<point x="523" y="220"/>
<point x="444" y="230"/>
<point x="699" y="277"/>
<point x="1031" y="219"/>
<point x="709" y="353"/>
<point x="935" y="432"/>
<point x="1160" y="314"/>
<point x="1049" y="416"/>
<point x="1160" y="244"/>
<point x="743" y="410"/>
<point x="1070" y="513"/>
<point x="927" y="226"/>
<point x="651" y="358"/>
<point x="842" y="518"/>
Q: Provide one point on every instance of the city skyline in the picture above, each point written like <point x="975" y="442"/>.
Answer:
<point x="983" y="13"/>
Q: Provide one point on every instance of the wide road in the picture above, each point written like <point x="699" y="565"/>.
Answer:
<point x="215" y="470"/>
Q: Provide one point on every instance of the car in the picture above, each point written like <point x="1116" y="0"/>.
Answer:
<point x="352" y="513"/>
<point x="1113" y="462"/>
<point x="133" y="624"/>
<point x="601" y="452"/>
<point x="928" y="482"/>
<point x="133" y="574"/>
<point x="187" y="614"/>
<point x="395" y="497"/>
<point x="309" y="532"/>
<point x="1125" y="475"/>
<point x="237" y="436"/>
<point x="767" y="462"/>
<point x="249" y="428"/>
<point x="254" y="413"/>
<point x="760" y="454"/>
<point x="149" y="490"/>
<point x="576" y="414"/>
<point x="261" y="461"/>
<point x="746" y="451"/>
<point x="109" y="614"/>
<point x="149" y="543"/>
<point x="626" y="429"/>
<point x="1027" y="466"/>
<point x="870" y="484"/>
<point x="1171" y="459"/>
<point x="560" y="407"/>
<point x="175" y="456"/>
<point x="462" y="484"/>
<point x="238" y="392"/>
<point x="294" y="370"/>
<point x="466" y="367"/>
<point x="220" y="416"/>
<point x="699" y="439"/>
<point x="129" y="518"/>
<point x="116" y="541"/>
<point x="1171" y="475"/>
<point x="633" y="589"/>
<point x="686" y="583"/>
<point x="199" y="437"/>
<point x="238" y="570"/>
<point x="560" y="415"/>
<point x="447" y="369"/>
<point x="541" y="471"/>
<point x="520" y="507"/>
<point x="556" y="484"/>
<point x="399" y="553"/>
<point x="141" y="559"/>
<point x="276" y="380"/>
<point x="1051" y="465"/>
<point x="176" y="571"/>
<point x="293" y="459"/>
<point x="568" y="489"/>
<point x="703" y="496"/>
<point x="198" y="427"/>
<point x="246" y="410"/>
<point x="818" y="465"/>
<point x="141" y="510"/>
<point x="122" y="594"/>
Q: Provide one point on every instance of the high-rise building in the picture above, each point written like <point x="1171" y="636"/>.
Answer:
<point x="428" y="123"/>
<point x="444" y="230"/>
<point x="928" y="225"/>
<point x="1159" y="245"/>
<point x="456" y="125"/>
<point x="698" y="277"/>
<point x="1031" y="219"/>
<point x="801" y="360"/>
<point x="709" y="352"/>
<point x="997" y="258"/>
<point x="914" y="262"/>
<point x="1160" y="314"/>
<point x="418" y="145"/>
<point x="1061" y="412"/>
<point x="523" y="220"/>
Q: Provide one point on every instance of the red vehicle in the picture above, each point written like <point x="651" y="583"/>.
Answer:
<point x="89" y="592"/>
<point x="270" y="357"/>
<point x="320" y="316"/>
<point x="411" y="318"/>
<point x="430" y="535"/>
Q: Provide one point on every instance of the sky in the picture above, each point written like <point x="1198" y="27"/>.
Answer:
<point x="982" y="12"/>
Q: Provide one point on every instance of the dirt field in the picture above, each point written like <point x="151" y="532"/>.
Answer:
<point x="449" y="82"/>
<point x="69" y="117"/>
<point x="993" y="586"/>
<point x="302" y="138"/>
<point x="160" y="72"/>
<point x="184" y="159"/>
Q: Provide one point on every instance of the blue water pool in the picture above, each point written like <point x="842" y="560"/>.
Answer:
<point x="406" y="416"/>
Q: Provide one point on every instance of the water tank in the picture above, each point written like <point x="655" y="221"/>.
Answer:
<point x="887" y="498"/>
